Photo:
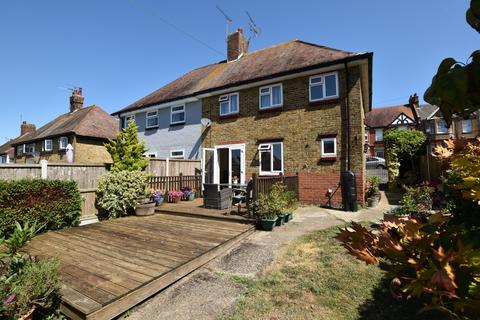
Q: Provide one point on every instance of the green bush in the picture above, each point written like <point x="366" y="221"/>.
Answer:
<point x="372" y="186"/>
<point x="417" y="199"/>
<point x="53" y="203"/>
<point x="118" y="192"/>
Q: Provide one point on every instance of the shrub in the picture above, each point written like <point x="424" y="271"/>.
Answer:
<point x="372" y="186"/>
<point x="272" y="204"/>
<point x="118" y="192"/>
<point x="53" y="203"/>
<point x="417" y="199"/>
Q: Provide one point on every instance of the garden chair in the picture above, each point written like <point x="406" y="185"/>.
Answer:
<point x="241" y="196"/>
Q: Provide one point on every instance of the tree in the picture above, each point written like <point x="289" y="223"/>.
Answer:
<point x="455" y="89"/>
<point x="400" y="145"/>
<point x="127" y="151"/>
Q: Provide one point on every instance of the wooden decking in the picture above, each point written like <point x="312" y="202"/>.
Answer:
<point x="111" y="266"/>
<point x="195" y="209"/>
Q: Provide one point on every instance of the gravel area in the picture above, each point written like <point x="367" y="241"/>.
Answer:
<point x="208" y="292"/>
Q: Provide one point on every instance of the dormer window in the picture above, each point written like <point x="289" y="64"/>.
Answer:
<point x="228" y="104"/>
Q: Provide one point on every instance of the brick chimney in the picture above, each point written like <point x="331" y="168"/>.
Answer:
<point x="76" y="100"/>
<point x="413" y="100"/>
<point x="236" y="45"/>
<point x="27" y="127"/>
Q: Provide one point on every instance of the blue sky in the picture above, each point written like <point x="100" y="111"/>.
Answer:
<point x="121" y="50"/>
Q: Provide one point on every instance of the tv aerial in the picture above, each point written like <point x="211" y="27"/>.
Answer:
<point x="228" y="20"/>
<point x="254" y="29"/>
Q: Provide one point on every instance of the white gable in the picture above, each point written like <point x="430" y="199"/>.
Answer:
<point x="402" y="119"/>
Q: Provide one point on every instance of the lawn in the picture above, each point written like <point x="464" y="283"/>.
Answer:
<point x="314" y="278"/>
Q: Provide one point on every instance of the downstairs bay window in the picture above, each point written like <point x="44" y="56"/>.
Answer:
<point x="271" y="158"/>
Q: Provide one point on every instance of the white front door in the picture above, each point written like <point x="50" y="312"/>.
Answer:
<point x="209" y="166"/>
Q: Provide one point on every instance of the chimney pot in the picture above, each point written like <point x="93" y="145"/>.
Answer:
<point x="237" y="45"/>
<point x="413" y="100"/>
<point x="76" y="100"/>
<point x="27" y="127"/>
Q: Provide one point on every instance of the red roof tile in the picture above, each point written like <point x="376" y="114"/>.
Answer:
<point x="383" y="117"/>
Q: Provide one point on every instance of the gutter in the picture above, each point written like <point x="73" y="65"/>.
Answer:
<point x="362" y="56"/>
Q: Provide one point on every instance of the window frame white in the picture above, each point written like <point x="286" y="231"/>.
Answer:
<point x="176" y="112"/>
<point x="150" y="155"/>
<point x="463" y="126"/>
<point x="270" y="149"/>
<point x="60" y="147"/>
<point x="437" y="125"/>
<point x="22" y="150"/>
<point x="45" y="148"/>
<point x="151" y="115"/>
<point x="222" y="99"/>
<point x="177" y="156"/>
<point x="377" y="131"/>
<point x="323" y="154"/>
<point x="270" y="94"/>
<point x="26" y="146"/>
<point x="128" y="119"/>
<point x="323" y="85"/>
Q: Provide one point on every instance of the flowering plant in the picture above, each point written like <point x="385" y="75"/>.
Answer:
<point x="186" y="191"/>
<point x="175" y="194"/>
<point x="157" y="195"/>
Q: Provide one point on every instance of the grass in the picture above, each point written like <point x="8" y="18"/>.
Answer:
<point x="314" y="278"/>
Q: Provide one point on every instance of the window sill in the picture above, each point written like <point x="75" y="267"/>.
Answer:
<point x="177" y="124"/>
<point x="229" y="116"/>
<point x="323" y="102"/>
<point x="268" y="110"/>
<point x="328" y="159"/>
<point x="269" y="174"/>
<point x="151" y="128"/>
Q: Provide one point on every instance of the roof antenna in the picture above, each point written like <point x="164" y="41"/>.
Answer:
<point x="228" y="20"/>
<point x="254" y="30"/>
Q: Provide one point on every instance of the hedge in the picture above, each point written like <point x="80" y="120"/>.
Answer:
<point x="53" y="203"/>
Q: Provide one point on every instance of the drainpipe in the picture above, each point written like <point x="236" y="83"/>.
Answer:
<point x="347" y="107"/>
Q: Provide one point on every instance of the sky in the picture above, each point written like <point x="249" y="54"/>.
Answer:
<point x="119" y="51"/>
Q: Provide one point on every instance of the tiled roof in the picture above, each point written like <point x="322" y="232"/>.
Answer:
<point x="91" y="121"/>
<point x="425" y="110"/>
<point x="280" y="59"/>
<point x="383" y="117"/>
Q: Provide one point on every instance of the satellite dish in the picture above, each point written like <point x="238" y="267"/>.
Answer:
<point x="206" y="122"/>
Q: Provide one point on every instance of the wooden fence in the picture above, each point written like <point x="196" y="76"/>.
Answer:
<point x="265" y="184"/>
<point x="175" y="183"/>
<point x="161" y="167"/>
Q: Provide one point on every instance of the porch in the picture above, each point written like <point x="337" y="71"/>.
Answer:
<point x="109" y="267"/>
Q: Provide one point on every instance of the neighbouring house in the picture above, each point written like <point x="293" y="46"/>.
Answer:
<point x="7" y="152"/>
<point x="85" y="129"/>
<point x="293" y="108"/>
<point x="380" y="119"/>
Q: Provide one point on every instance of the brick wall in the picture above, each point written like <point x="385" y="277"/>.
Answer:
<point x="299" y="124"/>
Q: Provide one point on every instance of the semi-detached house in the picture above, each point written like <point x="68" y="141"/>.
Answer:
<point x="293" y="108"/>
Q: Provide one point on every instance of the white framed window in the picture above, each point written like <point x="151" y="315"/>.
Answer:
<point x="177" y="114"/>
<point x="152" y="120"/>
<point x="328" y="147"/>
<point x="271" y="96"/>
<point x="271" y="158"/>
<point x="63" y="143"/>
<point x="20" y="149"/>
<point x="323" y="87"/>
<point x="128" y="119"/>
<point x="442" y="126"/>
<point x="466" y="125"/>
<point x="177" y="154"/>
<point x="48" y="145"/>
<point x="151" y="155"/>
<point x="229" y="104"/>
<point x="378" y="134"/>
<point x="30" y="148"/>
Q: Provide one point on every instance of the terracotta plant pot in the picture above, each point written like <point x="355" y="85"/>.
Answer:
<point x="145" y="209"/>
<point x="175" y="199"/>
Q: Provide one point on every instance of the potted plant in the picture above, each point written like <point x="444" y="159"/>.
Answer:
<point x="145" y="205"/>
<point x="290" y="204"/>
<point x="158" y="197"/>
<point x="188" y="194"/>
<point x="266" y="214"/>
<point x="372" y="192"/>
<point x="174" y="196"/>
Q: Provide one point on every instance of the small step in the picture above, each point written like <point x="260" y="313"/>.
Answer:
<point x="220" y="216"/>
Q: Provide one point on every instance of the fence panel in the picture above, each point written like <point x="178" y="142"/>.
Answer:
<point x="20" y="171"/>
<point x="374" y="170"/>
<point x="174" y="183"/>
<point x="265" y="184"/>
<point x="158" y="167"/>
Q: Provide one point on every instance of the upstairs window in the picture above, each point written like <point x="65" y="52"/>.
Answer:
<point x="128" y="119"/>
<point x="442" y="126"/>
<point x="62" y="145"/>
<point x="20" y="150"/>
<point x="177" y="115"/>
<point x="177" y="154"/>
<point x="467" y="126"/>
<point x="328" y="147"/>
<point x="271" y="158"/>
<point x="271" y="96"/>
<point x="378" y="134"/>
<point x="152" y="119"/>
<point x="228" y="104"/>
<point x="30" y="148"/>
<point x="323" y="87"/>
<point x="48" y="145"/>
